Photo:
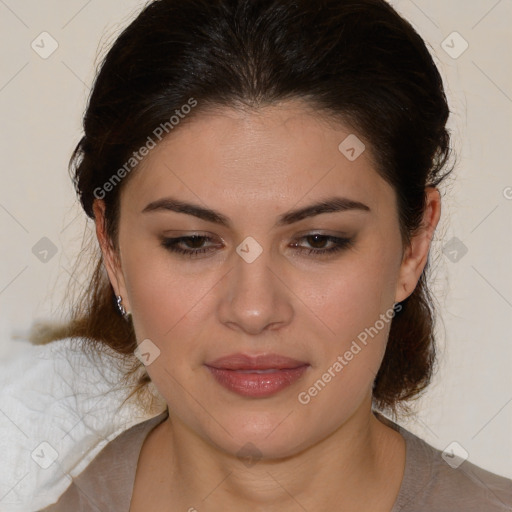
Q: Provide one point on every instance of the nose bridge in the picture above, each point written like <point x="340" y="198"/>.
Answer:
<point x="253" y="268"/>
<point x="253" y="280"/>
<point x="254" y="297"/>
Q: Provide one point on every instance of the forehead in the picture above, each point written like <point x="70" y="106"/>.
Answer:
<point x="270" y="155"/>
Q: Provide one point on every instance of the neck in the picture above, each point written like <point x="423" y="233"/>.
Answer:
<point x="358" y="467"/>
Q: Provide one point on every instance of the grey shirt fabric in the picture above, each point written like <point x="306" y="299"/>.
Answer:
<point x="429" y="484"/>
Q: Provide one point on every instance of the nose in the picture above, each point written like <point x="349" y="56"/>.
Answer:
<point x="255" y="296"/>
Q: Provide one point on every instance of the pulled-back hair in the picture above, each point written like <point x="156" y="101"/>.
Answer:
<point x="353" y="61"/>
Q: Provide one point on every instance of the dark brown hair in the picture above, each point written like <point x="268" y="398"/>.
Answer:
<point x="355" y="61"/>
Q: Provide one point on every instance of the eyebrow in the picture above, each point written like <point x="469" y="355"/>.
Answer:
<point x="329" y="205"/>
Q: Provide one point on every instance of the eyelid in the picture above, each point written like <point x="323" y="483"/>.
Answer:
<point x="323" y="232"/>
<point x="340" y="244"/>
<point x="307" y="232"/>
<point x="183" y="233"/>
<point x="215" y="239"/>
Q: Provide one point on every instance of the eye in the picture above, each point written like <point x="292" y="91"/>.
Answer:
<point x="194" y="245"/>
<point x="316" y="239"/>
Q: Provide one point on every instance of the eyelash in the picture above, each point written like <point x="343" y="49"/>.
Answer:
<point x="171" y="244"/>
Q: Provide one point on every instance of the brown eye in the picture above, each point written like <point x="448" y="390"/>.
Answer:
<point x="188" y="245"/>
<point x="317" y="243"/>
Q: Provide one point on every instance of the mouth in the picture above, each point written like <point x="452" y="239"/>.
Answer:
<point x="256" y="376"/>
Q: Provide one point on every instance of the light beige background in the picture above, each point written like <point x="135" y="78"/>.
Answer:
<point x="41" y="103"/>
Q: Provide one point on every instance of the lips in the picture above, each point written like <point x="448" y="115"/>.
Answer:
<point x="256" y="376"/>
<point x="262" y="362"/>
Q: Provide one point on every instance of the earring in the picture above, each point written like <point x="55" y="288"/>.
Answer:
<point x="121" y="308"/>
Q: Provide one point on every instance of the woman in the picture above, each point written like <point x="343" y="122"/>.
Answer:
<point x="263" y="177"/>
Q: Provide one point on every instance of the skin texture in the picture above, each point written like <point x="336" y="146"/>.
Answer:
<point x="252" y="166"/>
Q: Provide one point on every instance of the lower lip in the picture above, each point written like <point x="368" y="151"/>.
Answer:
<point x="257" y="385"/>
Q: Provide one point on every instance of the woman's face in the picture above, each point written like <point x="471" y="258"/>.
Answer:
<point x="256" y="286"/>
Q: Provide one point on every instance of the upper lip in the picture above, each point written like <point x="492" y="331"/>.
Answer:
<point x="256" y="362"/>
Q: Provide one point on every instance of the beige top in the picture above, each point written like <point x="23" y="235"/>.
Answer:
<point x="429" y="484"/>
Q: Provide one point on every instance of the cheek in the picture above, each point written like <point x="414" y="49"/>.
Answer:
<point x="172" y="305"/>
<point x="356" y="305"/>
<point x="157" y="294"/>
<point x="356" y="293"/>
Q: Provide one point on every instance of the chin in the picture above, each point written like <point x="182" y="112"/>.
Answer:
<point x="257" y="437"/>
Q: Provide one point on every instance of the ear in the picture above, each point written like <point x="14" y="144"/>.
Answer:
<point x="416" y="254"/>
<point x="111" y="258"/>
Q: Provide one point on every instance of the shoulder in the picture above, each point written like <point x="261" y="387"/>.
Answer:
<point x="107" y="482"/>
<point x="443" y="482"/>
<point x="466" y="486"/>
<point x="61" y="405"/>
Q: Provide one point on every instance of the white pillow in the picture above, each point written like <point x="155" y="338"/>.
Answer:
<point x="58" y="408"/>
